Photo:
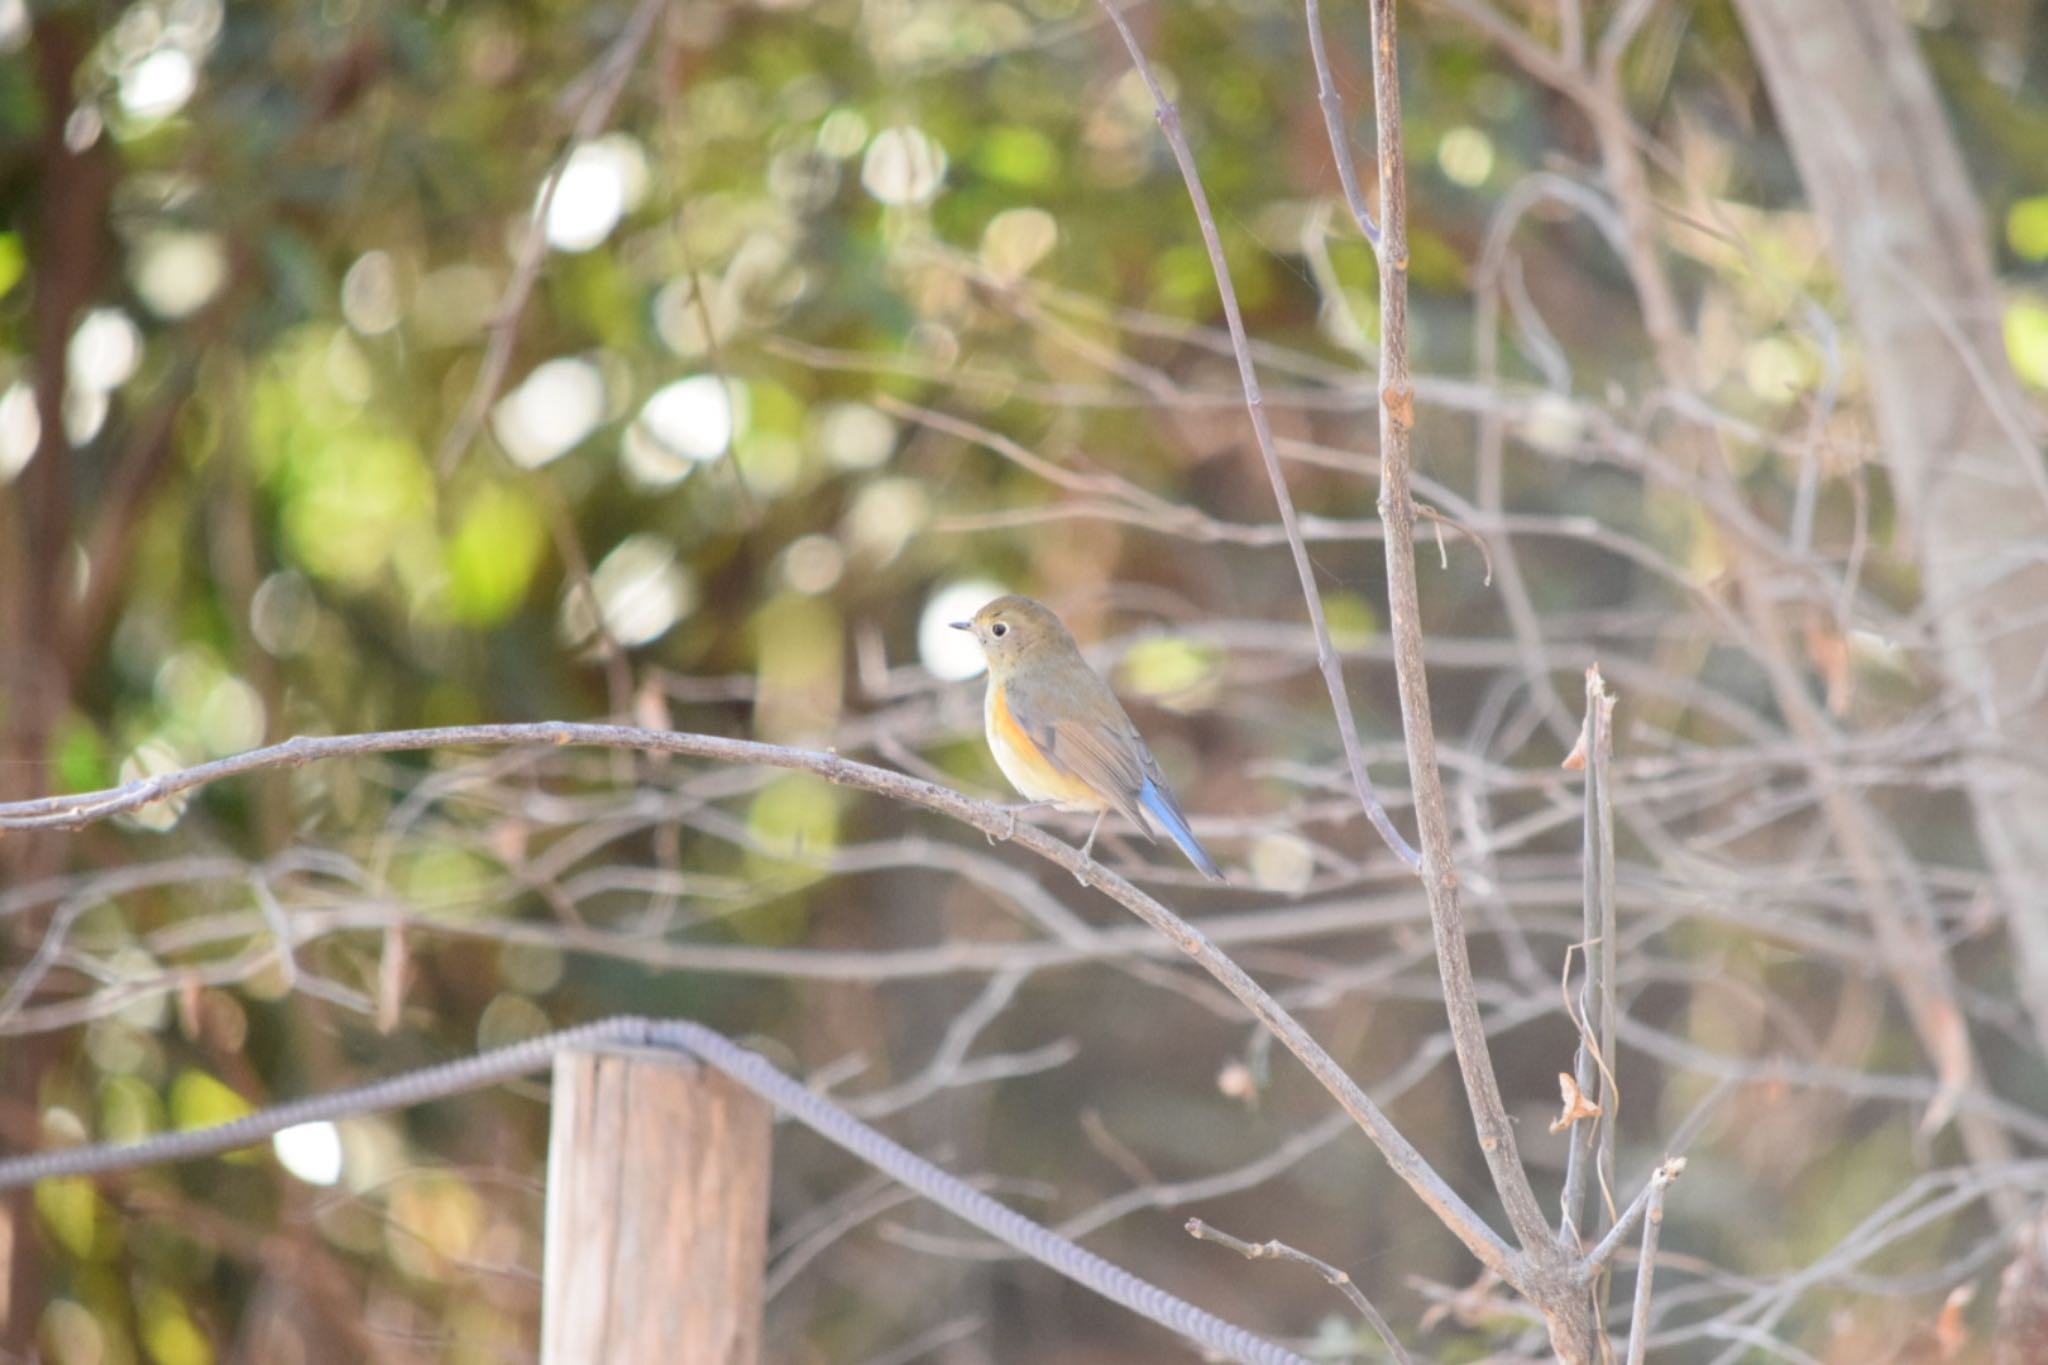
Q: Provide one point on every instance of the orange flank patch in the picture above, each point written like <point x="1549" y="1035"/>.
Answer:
<point x="1026" y="765"/>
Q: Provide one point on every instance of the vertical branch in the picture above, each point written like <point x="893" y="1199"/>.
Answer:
<point x="1579" y="1150"/>
<point x="1590" y="1156"/>
<point x="74" y="185"/>
<point x="1262" y="430"/>
<point x="1653" y="1225"/>
<point x="1397" y="512"/>
<point x="1601" y="705"/>
<point x="1334" y="123"/>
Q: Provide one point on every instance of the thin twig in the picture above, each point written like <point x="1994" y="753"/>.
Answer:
<point x="1653" y="1224"/>
<point x="1262" y="430"/>
<point x="1340" y="1280"/>
<point x="1334" y="123"/>
<point x="714" y="355"/>
<point x="606" y="85"/>
<point x="77" y="811"/>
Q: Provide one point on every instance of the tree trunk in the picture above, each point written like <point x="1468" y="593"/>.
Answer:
<point x="1886" y="178"/>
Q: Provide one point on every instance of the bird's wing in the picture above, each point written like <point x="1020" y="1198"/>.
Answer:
<point x="1087" y="733"/>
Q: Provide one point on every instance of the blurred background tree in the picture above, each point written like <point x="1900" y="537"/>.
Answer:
<point x="371" y="366"/>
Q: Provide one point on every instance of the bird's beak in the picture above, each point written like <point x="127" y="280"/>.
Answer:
<point x="961" y="625"/>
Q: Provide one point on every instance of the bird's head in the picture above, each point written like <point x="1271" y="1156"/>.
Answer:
<point x="1011" y="630"/>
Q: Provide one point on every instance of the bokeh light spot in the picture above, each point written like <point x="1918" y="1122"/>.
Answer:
<point x="884" y="516"/>
<point x="1465" y="156"/>
<point x="688" y="422"/>
<point x="158" y="86"/>
<point x="1018" y="239"/>
<point x="948" y="653"/>
<point x="105" y="350"/>
<point x="283" y="615"/>
<point x="558" y="405"/>
<point x="154" y="758"/>
<point x="843" y="133"/>
<point x="2026" y="340"/>
<point x="21" y="428"/>
<point x="601" y="182"/>
<point x="641" y="593"/>
<point x="176" y="272"/>
<point x="854" y="435"/>
<point x="2026" y="228"/>
<point x="1283" y="862"/>
<point x="813" y="564"/>
<point x="903" y="166"/>
<point x="310" y="1151"/>
<point x="369" y="294"/>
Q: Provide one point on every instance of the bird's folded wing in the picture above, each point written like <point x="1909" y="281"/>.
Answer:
<point x="1096" y="743"/>
<point x="1110" y="762"/>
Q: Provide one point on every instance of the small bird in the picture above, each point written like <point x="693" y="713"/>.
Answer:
<point x="1060" y="735"/>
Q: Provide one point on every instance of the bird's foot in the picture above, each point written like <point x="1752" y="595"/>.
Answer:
<point x="1010" y="832"/>
<point x="1088" y="849"/>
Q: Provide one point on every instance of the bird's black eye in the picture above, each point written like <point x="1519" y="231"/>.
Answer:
<point x="999" y="630"/>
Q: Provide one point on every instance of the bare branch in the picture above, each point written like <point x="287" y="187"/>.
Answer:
<point x="1592" y="1144"/>
<point x="1337" y="127"/>
<point x="605" y="85"/>
<point x="1397" y="512"/>
<point x="1339" y="1280"/>
<point x="1653" y="1225"/>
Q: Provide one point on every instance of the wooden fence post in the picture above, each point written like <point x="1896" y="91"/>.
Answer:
<point x="657" y="1214"/>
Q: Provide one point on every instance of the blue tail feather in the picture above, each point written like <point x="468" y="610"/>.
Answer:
<point x="1159" y="804"/>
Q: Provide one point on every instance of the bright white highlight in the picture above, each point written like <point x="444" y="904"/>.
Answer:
<point x="601" y="182"/>
<point x="694" y="418"/>
<point x="903" y="166"/>
<point x="176" y="272"/>
<point x="105" y="350"/>
<point x="854" y="435"/>
<point x="310" y="1151"/>
<point x="948" y="653"/>
<point x="641" y="593"/>
<point x="558" y="405"/>
<point x="158" y="85"/>
<point x="21" y="427"/>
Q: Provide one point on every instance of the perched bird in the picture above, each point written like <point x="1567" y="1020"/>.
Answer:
<point x="1060" y="735"/>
